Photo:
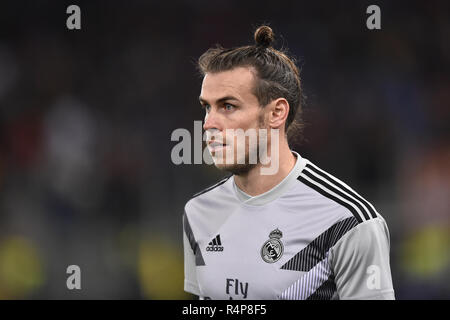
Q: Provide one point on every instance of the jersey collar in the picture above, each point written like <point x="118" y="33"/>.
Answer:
<point x="276" y="191"/>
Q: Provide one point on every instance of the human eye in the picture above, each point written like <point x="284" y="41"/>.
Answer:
<point x="206" y="107"/>
<point x="229" y="107"/>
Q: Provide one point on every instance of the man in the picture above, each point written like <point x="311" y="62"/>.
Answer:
<point x="297" y="233"/>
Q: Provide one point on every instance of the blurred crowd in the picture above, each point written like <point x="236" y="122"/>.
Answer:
<point x="86" y="116"/>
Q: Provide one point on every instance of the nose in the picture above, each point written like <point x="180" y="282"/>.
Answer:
<point x="211" y="121"/>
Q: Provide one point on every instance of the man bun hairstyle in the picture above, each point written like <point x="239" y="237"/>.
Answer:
<point x="264" y="37"/>
<point x="277" y="75"/>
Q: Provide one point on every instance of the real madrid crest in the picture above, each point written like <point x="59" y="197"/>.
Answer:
<point x="272" y="249"/>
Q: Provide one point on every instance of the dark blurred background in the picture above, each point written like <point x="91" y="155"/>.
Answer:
<point x="86" y="116"/>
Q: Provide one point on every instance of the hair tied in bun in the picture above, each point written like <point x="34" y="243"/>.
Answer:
<point x="264" y="37"/>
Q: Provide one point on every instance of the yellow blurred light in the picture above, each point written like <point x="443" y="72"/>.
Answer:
<point x="427" y="251"/>
<point x="161" y="270"/>
<point x="21" y="269"/>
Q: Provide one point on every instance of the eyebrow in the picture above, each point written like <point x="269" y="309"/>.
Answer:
<point x="220" y="100"/>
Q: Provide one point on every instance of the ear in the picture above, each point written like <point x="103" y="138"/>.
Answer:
<point x="279" y="111"/>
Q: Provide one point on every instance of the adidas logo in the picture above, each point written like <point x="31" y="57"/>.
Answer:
<point x="215" y="244"/>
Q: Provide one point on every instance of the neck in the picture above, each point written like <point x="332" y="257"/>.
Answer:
<point x="254" y="183"/>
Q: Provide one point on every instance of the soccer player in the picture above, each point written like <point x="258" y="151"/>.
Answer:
<point x="298" y="233"/>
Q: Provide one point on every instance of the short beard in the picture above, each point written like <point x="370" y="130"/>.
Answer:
<point x="244" y="169"/>
<point x="240" y="169"/>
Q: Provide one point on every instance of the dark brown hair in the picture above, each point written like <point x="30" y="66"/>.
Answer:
<point x="277" y="74"/>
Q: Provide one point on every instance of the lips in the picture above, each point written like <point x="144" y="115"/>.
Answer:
<point x="215" y="146"/>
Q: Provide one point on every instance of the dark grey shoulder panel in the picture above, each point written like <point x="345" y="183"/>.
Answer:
<point x="194" y="245"/>
<point x="315" y="252"/>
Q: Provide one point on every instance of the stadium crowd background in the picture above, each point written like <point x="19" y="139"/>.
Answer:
<point x="86" y="116"/>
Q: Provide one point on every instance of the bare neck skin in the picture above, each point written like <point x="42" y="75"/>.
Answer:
<point x="253" y="183"/>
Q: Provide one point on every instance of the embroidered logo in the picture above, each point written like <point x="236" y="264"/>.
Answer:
<point x="272" y="249"/>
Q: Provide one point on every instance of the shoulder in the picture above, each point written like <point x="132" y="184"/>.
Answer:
<point x="208" y="209"/>
<point x="361" y="264"/>
<point x="212" y="187"/>
<point x="327" y="190"/>
<point x="210" y="195"/>
<point x="366" y="235"/>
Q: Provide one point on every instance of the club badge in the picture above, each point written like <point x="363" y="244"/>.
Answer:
<point x="272" y="249"/>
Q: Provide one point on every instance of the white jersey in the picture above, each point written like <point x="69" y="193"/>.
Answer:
<point x="309" y="237"/>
